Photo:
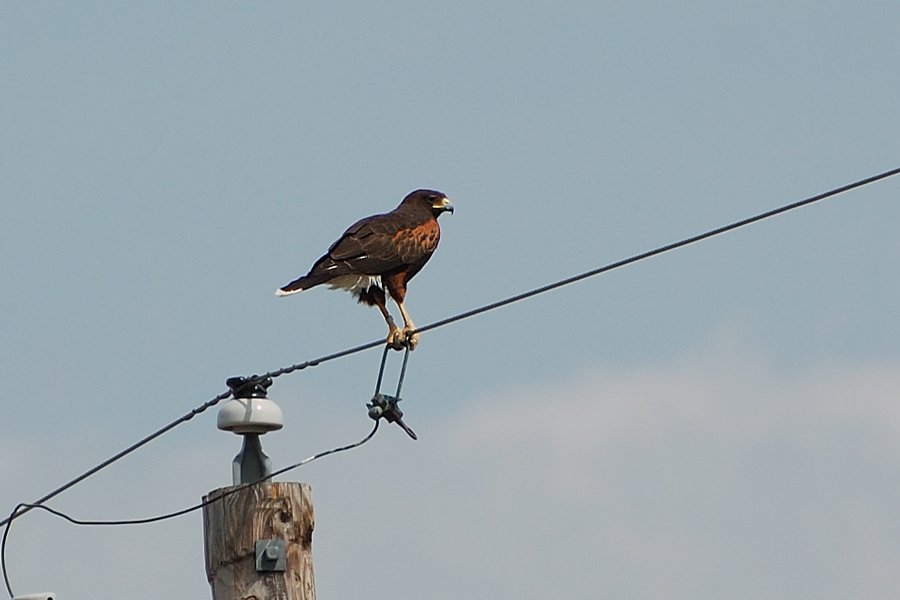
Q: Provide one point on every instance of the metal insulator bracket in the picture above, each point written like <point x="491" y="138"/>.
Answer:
<point x="384" y="406"/>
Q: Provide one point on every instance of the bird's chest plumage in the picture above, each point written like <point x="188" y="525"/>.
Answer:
<point x="416" y="244"/>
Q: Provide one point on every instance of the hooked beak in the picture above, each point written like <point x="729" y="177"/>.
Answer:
<point x="445" y="205"/>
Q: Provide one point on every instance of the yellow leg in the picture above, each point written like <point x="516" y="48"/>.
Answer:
<point x="408" y="328"/>
<point x="395" y="336"/>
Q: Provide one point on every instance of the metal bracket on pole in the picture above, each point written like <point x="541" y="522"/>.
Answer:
<point x="271" y="555"/>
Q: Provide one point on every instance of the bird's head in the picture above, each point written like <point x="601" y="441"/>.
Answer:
<point x="436" y="202"/>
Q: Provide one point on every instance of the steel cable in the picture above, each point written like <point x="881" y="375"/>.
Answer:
<point x="178" y="513"/>
<point x="474" y="312"/>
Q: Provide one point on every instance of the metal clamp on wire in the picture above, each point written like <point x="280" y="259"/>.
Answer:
<point x="384" y="406"/>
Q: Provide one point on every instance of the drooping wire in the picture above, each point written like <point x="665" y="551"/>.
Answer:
<point x="20" y="509"/>
<point x="187" y="417"/>
<point x="478" y="311"/>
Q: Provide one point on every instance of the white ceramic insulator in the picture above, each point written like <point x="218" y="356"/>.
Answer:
<point x="250" y="415"/>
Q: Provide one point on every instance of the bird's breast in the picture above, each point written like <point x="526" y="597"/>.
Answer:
<point x="423" y="238"/>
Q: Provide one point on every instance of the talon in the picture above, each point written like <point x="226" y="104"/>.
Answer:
<point x="395" y="339"/>
<point x="411" y="339"/>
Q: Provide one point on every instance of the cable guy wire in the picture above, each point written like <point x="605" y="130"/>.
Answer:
<point x="478" y="311"/>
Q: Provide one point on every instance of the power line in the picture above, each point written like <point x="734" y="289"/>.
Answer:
<point x="123" y="453"/>
<point x="16" y="513"/>
<point x="474" y="312"/>
<point x="660" y="250"/>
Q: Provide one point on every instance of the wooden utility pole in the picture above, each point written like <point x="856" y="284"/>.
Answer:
<point x="259" y="542"/>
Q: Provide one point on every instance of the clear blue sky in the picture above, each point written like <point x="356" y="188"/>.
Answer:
<point x="717" y="422"/>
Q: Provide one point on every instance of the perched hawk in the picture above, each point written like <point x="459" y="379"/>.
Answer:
<point x="379" y="253"/>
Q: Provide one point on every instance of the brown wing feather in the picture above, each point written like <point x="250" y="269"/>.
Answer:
<point x="401" y="240"/>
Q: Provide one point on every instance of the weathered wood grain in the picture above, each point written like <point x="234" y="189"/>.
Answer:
<point x="266" y="511"/>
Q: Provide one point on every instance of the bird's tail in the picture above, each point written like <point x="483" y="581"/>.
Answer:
<point x="298" y="285"/>
<point x="325" y="270"/>
<point x="311" y="279"/>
